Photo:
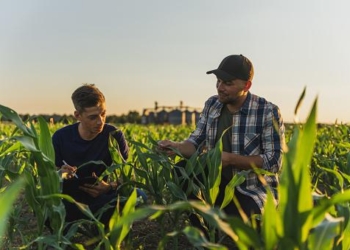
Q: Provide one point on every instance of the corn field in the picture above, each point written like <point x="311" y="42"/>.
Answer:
<point x="314" y="192"/>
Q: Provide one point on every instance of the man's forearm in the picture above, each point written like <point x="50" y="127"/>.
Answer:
<point x="240" y="161"/>
<point x="186" y="148"/>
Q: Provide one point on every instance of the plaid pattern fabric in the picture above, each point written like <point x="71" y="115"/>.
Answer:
<point x="257" y="129"/>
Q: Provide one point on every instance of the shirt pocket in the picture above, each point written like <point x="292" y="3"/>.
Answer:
<point x="252" y="144"/>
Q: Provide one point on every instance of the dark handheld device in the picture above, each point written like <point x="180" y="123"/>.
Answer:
<point x="74" y="183"/>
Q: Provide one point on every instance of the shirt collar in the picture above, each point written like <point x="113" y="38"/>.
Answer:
<point x="245" y="106"/>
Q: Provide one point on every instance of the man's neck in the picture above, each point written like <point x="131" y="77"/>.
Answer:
<point x="234" y="107"/>
<point x="86" y="135"/>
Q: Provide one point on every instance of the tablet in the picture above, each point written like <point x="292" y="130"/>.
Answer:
<point x="74" y="183"/>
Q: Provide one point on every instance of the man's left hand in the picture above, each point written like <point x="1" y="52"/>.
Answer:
<point x="96" y="189"/>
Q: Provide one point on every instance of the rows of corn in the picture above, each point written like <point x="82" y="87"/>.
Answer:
<point x="313" y="212"/>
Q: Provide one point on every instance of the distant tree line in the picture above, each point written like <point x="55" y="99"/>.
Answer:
<point x="131" y="117"/>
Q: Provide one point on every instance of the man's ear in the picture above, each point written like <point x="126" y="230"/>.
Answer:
<point x="76" y="115"/>
<point x="247" y="86"/>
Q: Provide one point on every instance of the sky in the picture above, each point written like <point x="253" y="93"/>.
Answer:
<point x="141" y="52"/>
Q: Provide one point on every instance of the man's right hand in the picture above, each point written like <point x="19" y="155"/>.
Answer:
<point x="171" y="148"/>
<point x="166" y="146"/>
<point x="68" y="171"/>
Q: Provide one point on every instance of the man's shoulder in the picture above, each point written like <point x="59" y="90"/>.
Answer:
<point x="213" y="100"/>
<point x="66" y="129"/>
<point x="109" y="127"/>
<point x="262" y="101"/>
<point x="116" y="132"/>
<point x="259" y="104"/>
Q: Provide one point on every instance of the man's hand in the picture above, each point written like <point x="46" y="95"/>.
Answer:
<point x="171" y="148"/>
<point x="68" y="171"/>
<point x="96" y="189"/>
<point x="166" y="147"/>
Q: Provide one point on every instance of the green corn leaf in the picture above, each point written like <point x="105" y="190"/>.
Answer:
<point x="176" y="191"/>
<point x="323" y="235"/>
<point x="118" y="230"/>
<point x="301" y="98"/>
<point x="198" y="239"/>
<point x="7" y="198"/>
<point x="114" y="150"/>
<point x="230" y="187"/>
<point x="305" y="151"/>
<point x="45" y="142"/>
<point x="243" y="234"/>
<point x="13" y="148"/>
<point x="339" y="176"/>
<point x="344" y="212"/>
<point x="324" y="205"/>
<point x="270" y="223"/>
<point x="348" y="162"/>
<point x="27" y="142"/>
<point x="295" y="188"/>
<point x="82" y="207"/>
<point x="214" y="164"/>
<point x="14" y="117"/>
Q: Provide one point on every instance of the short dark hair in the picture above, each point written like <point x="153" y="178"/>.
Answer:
<point x="87" y="96"/>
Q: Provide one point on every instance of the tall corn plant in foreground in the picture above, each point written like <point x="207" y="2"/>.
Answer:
<point x="7" y="198"/>
<point x="299" y="222"/>
<point x="40" y="171"/>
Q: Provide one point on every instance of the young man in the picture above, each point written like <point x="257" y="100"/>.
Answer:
<point x="85" y="141"/>
<point x="255" y="135"/>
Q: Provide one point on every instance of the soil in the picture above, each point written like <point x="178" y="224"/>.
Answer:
<point x="145" y="234"/>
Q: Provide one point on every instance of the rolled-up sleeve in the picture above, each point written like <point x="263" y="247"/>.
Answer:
<point x="273" y="140"/>
<point x="199" y="135"/>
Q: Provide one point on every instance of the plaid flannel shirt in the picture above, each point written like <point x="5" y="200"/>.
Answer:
<point x="257" y="129"/>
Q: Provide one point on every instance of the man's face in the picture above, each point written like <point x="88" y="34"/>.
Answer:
<point x="231" y="92"/>
<point x="92" y="119"/>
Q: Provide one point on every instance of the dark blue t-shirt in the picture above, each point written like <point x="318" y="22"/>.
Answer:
<point x="75" y="151"/>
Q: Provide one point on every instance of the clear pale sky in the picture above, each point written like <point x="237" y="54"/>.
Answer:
<point x="139" y="52"/>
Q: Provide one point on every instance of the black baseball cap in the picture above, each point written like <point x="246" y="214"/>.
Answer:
<point x="233" y="67"/>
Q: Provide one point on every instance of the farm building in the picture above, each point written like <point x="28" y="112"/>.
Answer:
<point x="177" y="115"/>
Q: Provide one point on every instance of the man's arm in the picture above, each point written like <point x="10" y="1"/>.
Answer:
<point x="186" y="148"/>
<point x="271" y="149"/>
<point x="122" y="143"/>
<point x="241" y="162"/>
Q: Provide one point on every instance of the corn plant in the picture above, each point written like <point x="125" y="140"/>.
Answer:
<point x="39" y="170"/>
<point x="7" y="198"/>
